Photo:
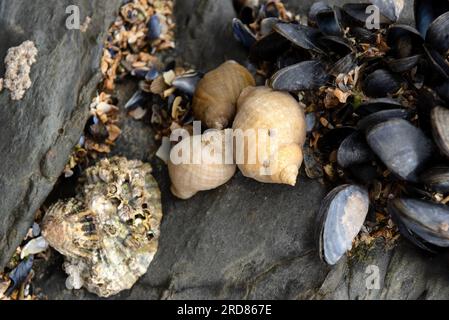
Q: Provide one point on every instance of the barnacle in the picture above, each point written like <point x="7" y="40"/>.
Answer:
<point x="109" y="232"/>
<point x="18" y="66"/>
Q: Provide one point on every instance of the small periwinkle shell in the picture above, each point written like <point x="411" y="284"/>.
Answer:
<point x="109" y="232"/>
<point x="402" y="147"/>
<point x="341" y="216"/>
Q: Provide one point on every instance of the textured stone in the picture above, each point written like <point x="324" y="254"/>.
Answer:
<point x="38" y="132"/>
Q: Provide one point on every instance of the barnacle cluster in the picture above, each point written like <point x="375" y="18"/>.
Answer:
<point x="109" y="232"/>
<point x="18" y="66"/>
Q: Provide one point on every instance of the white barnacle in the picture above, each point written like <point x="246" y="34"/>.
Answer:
<point x="18" y="63"/>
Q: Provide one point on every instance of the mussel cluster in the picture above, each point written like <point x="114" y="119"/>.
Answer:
<point x="377" y="110"/>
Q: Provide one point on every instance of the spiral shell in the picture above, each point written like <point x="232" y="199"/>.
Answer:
<point x="279" y="123"/>
<point x="109" y="233"/>
<point x="213" y="166"/>
<point x="216" y="95"/>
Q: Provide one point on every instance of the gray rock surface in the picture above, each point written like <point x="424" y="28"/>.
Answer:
<point x="247" y="240"/>
<point x="38" y="132"/>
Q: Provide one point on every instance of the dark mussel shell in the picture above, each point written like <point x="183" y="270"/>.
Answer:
<point x="312" y="166"/>
<point x="438" y="34"/>
<point x="438" y="63"/>
<point x="154" y="27"/>
<point x="443" y="90"/>
<point x="332" y="139"/>
<point x="403" y="64"/>
<point x="439" y="118"/>
<point x="138" y="99"/>
<point x="364" y="173"/>
<point x="246" y="10"/>
<point x="270" y="9"/>
<point x="364" y="35"/>
<point x="329" y="21"/>
<point x="269" y="47"/>
<point x="152" y="74"/>
<point x="366" y="123"/>
<point x="341" y="216"/>
<point x="376" y="105"/>
<point x="140" y="73"/>
<point x="428" y="220"/>
<point x="407" y="233"/>
<point x="187" y="83"/>
<point x="242" y="33"/>
<point x="19" y="275"/>
<point x="354" y="150"/>
<point x="290" y="57"/>
<point x="404" y="41"/>
<point x="402" y="147"/>
<point x="427" y="99"/>
<point x="267" y="25"/>
<point x="344" y="65"/>
<point x="301" y="36"/>
<point x="426" y="11"/>
<point x="335" y="45"/>
<point x="380" y="83"/>
<point x="310" y="122"/>
<point x="306" y="75"/>
<point x="148" y="74"/>
<point x="436" y="179"/>
<point x="316" y="8"/>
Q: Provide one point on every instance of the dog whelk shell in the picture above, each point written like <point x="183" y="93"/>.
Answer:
<point x="279" y="122"/>
<point x="109" y="233"/>
<point x="217" y="92"/>
<point x="213" y="165"/>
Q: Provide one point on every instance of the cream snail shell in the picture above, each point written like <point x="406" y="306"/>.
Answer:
<point x="278" y="121"/>
<point x="209" y="163"/>
<point x="216" y="95"/>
